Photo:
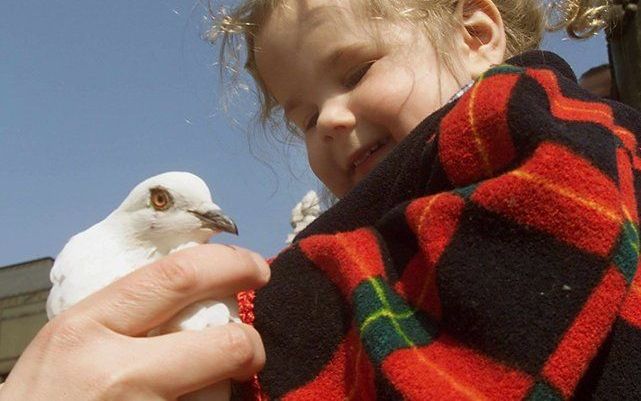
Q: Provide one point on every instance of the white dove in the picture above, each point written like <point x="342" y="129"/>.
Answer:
<point x="160" y="215"/>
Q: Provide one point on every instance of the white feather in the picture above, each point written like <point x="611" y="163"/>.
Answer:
<point x="305" y="211"/>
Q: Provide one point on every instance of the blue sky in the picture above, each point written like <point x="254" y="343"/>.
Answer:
<point x="97" y="96"/>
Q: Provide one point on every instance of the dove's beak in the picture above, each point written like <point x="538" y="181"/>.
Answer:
<point x="216" y="220"/>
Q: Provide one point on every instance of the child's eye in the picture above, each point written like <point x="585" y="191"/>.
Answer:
<point x="355" y="75"/>
<point x="311" y="123"/>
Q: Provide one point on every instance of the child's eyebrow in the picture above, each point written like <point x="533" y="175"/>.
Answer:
<point x="336" y="55"/>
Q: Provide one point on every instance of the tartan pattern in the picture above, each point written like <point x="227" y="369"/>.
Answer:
<point x="385" y="322"/>
<point x="506" y="271"/>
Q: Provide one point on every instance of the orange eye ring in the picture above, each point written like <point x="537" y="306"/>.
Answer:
<point x="160" y="199"/>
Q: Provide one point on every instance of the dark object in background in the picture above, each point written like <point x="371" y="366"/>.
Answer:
<point x="598" y="80"/>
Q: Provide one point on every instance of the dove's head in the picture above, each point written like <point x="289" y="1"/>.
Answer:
<point x="172" y="209"/>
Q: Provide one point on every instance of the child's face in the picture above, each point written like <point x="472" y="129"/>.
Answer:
<point x="355" y="98"/>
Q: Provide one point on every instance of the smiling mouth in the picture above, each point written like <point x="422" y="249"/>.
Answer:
<point x="360" y="159"/>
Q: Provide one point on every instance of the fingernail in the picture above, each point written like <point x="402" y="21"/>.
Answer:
<point x="261" y="262"/>
<point x="259" y="259"/>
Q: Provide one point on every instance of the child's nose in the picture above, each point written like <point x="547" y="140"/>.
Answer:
<point x="335" y="118"/>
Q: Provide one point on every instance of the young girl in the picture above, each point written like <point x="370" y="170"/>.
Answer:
<point x="485" y="243"/>
<point x="484" y="246"/>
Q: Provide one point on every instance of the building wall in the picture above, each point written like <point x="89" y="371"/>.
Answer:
<point x="24" y="289"/>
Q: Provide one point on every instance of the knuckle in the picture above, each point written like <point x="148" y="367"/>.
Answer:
<point x="117" y="384"/>
<point x="178" y="274"/>
<point x="129" y="294"/>
<point x="239" y="346"/>
<point x="67" y="330"/>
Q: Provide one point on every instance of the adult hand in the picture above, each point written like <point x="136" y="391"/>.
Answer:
<point x="98" y="351"/>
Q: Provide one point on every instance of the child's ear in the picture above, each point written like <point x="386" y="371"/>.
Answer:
<point x="483" y="34"/>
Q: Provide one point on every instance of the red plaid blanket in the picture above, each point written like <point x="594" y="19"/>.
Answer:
<point x="491" y="256"/>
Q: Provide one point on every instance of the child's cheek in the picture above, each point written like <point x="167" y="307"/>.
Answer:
<point x="383" y="96"/>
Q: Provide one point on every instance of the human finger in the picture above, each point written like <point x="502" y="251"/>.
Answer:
<point x="154" y="293"/>
<point x="182" y="362"/>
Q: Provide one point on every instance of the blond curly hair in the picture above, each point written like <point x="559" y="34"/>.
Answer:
<point x="524" y="20"/>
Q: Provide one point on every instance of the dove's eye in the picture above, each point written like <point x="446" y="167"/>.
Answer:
<point x="160" y="199"/>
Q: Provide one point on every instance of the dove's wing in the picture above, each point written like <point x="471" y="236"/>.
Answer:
<point x="90" y="261"/>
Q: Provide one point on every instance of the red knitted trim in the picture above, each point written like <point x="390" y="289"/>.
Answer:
<point x="245" y="301"/>
<point x="246" y="306"/>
